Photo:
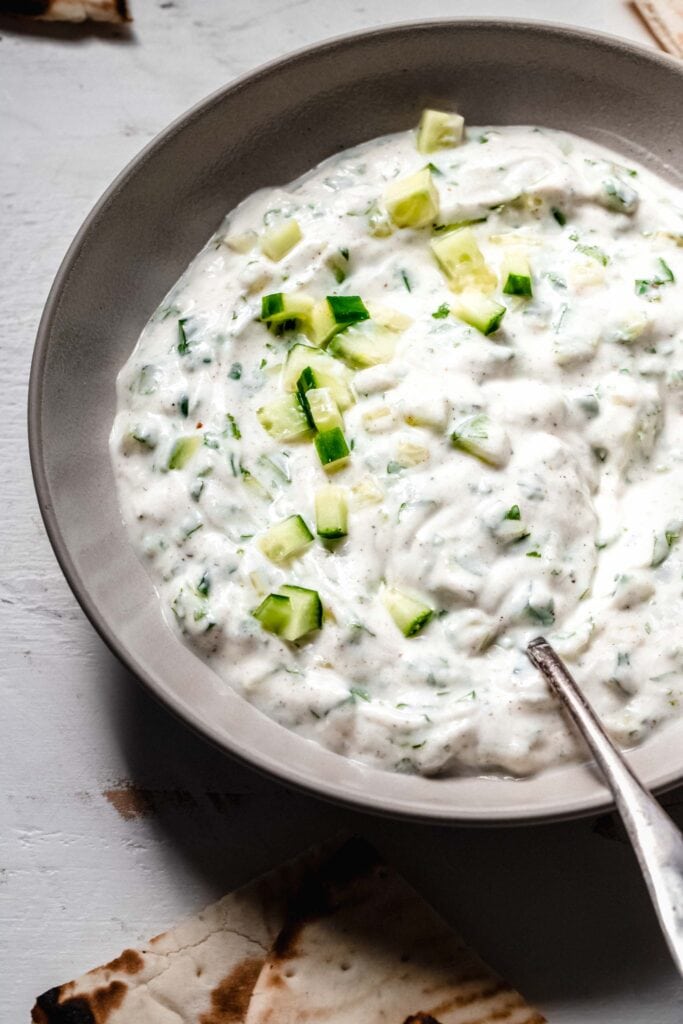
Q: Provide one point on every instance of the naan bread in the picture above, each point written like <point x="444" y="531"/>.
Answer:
<point x="332" y="938"/>
<point x="68" y="10"/>
<point x="361" y="947"/>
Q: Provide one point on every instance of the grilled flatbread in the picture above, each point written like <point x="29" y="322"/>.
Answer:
<point x="201" y="972"/>
<point x="332" y="938"/>
<point x="68" y="10"/>
<point x="359" y="944"/>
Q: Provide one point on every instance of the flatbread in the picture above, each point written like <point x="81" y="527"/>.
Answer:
<point x="201" y="972"/>
<point x="68" y="10"/>
<point x="360" y="945"/>
<point x="335" y="937"/>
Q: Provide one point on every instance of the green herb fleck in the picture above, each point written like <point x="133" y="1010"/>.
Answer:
<point x="442" y="312"/>
<point x="559" y="216"/>
<point x="357" y="691"/>
<point x="234" y="429"/>
<point x="406" y="281"/>
<point x="183" y="344"/>
<point x="235" y="371"/>
<point x="513" y="513"/>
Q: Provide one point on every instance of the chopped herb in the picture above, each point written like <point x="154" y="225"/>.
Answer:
<point x="193" y="529"/>
<point x="433" y="168"/>
<point x="545" y="614"/>
<point x="184" y="405"/>
<point x="442" y="312"/>
<point x="204" y="585"/>
<point x="235" y="371"/>
<point x="533" y="554"/>
<point x="262" y="364"/>
<point x="406" y="281"/>
<point x="513" y="513"/>
<point x="234" y="429"/>
<point x="665" y="277"/>
<point x="559" y="216"/>
<point x="356" y="691"/>
<point x="345" y="254"/>
<point x="183" y="344"/>
<point x="594" y="252"/>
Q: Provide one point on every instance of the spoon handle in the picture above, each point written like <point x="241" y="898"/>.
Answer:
<point x="658" y="843"/>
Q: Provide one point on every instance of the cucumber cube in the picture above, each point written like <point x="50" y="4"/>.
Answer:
<point x="277" y="241"/>
<point x="347" y="309"/>
<point x="329" y="372"/>
<point x="333" y="451"/>
<point x="413" y="202"/>
<point x="306" y="612"/>
<point x="307" y="381"/>
<point x="479" y="311"/>
<point x="323" y="409"/>
<point x="516" y="274"/>
<point x="183" y="450"/>
<point x="286" y="539"/>
<point x="331" y="512"/>
<point x="285" y="308"/>
<point x="361" y="348"/>
<point x="487" y="441"/>
<point x="409" y="614"/>
<point x="274" y="613"/>
<point x="284" y="419"/>
<point x="439" y="130"/>
<point x="321" y="325"/>
<point x="461" y="260"/>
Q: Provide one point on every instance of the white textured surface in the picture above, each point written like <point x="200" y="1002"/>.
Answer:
<point x="560" y="909"/>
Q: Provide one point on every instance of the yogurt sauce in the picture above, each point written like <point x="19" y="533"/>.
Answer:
<point x="574" y="534"/>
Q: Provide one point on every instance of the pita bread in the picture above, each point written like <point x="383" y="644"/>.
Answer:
<point x="359" y="944"/>
<point x="68" y="10"/>
<point x="332" y="938"/>
<point x="201" y="972"/>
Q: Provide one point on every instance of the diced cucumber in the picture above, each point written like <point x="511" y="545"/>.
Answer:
<point x="461" y="260"/>
<point x="439" y="130"/>
<point x="409" y="614"/>
<point x="516" y="274"/>
<point x="183" y="450"/>
<point x="361" y="348"/>
<point x="321" y="326"/>
<point x="285" y="539"/>
<point x="391" y="319"/>
<point x="479" y="311"/>
<point x="285" y="308"/>
<point x="305" y="614"/>
<point x="479" y="436"/>
<point x="331" y="512"/>
<point x="413" y="202"/>
<point x="242" y="243"/>
<point x="284" y="419"/>
<point x="274" y="613"/>
<point x="333" y="451"/>
<point x="277" y="241"/>
<point x="347" y="309"/>
<point x="323" y="409"/>
<point x="329" y="372"/>
<point x="307" y="382"/>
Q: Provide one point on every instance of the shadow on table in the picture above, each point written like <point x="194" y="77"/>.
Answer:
<point x="559" y="909"/>
<point x="66" y="31"/>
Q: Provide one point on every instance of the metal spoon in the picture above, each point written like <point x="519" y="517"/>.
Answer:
<point x="658" y="843"/>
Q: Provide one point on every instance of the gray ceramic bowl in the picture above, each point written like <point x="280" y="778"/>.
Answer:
<point x="263" y="130"/>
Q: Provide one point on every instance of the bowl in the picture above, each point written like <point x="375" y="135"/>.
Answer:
<point x="265" y="129"/>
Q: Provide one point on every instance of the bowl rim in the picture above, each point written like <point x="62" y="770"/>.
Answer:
<point x="330" y="790"/>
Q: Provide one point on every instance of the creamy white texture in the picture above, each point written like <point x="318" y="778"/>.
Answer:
<point x="586" y="381"/>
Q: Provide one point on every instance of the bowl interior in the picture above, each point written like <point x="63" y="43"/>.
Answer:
<point x="267" y="129"/>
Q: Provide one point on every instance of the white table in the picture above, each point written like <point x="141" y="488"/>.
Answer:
<point x="115" y="821"/>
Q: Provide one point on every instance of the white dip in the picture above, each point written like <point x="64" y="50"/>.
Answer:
<point x="571" y="529"/>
